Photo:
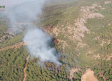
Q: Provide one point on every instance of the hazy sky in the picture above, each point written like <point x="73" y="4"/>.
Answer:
<point x="10" y="3"/>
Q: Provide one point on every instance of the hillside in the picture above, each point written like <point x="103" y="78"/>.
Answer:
<point x="82" y="33"/>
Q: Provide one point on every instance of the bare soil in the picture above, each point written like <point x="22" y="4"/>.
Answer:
<point x="2" y="39"/>
<point x="109" y="57"/>
<point x="72" y="71"/>
<point x="17" y="45"/>
<point x="103" y="77"/>
<point x="25" y="66"/>
<point x="107" y="2"/>
<point x="89" y="76"/>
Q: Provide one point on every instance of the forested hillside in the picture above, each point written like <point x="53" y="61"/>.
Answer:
<point x="82" y="32"/>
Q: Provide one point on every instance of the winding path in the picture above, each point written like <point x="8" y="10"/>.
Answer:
<point x="25" y="65"/>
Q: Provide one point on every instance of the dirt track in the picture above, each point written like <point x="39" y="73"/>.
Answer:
<point x="17" y="45"/>
<point x="24" y="79"/>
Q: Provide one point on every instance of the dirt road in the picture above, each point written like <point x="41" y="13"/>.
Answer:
<point x="25" y="66"/>
<point x="17" y="45"/>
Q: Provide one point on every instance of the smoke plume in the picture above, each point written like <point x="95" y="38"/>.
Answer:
<point x="37" y="41"/>
<point x="39" y="45"/>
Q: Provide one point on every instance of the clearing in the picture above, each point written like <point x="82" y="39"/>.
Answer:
<point x="89" y="76"/>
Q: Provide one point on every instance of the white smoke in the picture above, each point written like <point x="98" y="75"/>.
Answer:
<point x="37" y="41"/>
<point x="26" y="12"/>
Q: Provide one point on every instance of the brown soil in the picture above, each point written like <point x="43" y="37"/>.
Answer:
<point x="55" y="41"/>
<point x="80" y="22"/>
<point x="17" y="45"/>
<point x="76" y="32"/>
<point x="96" y="57"/>
<point x="103" y="77"/>
<point x="1" y="65"/>
<point x="2" y="39"/>
<point x="25" y="66"/>
<point x="105" y="42"/>
<point x="89" y="76"/>
<point x="107" y="2"/>
<point x="72" y="71"/>
<point x="64" y="43"/>
<point x="109" y="57"/>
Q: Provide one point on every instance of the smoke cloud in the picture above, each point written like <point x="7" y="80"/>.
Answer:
<point x="37" y="41"/>
<point x="23" y="13"/>
<point x="39" y="45"/>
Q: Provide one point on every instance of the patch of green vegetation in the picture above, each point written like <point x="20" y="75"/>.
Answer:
<point x="3" y="27"/>
<point x="99" y="30"/>
<point x="12" y="41"/>
<point x="12" y="63"/>
<point x="59" y="14"/>
<point x="51" y="73"/>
